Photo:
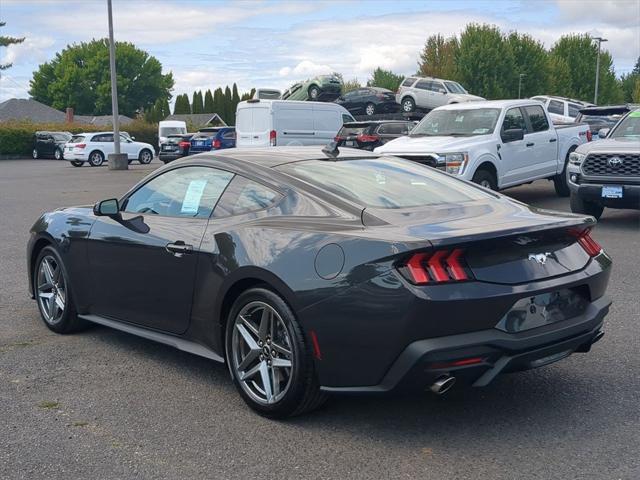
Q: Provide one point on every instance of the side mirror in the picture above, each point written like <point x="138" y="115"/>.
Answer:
<point x="106" y="208"/>
<point x="603" y="132"/>
<point x="442" y="91"/>
<point x="133" y="138"/>
<point x="512" y="135"/>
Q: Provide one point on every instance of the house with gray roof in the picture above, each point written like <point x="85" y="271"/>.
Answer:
<point x="198" y="120"/>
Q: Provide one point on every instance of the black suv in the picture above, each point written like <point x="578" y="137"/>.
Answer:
<point x="176" y="146"/>
<point x="372" y="134"/>
<point x="49" y="144"/>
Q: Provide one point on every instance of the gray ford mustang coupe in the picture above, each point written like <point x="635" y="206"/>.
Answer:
<point x="314" y="271"/>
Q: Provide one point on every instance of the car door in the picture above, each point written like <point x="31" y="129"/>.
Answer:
<point x="105" y="143"/>
<point x="438" y="94"/>
<point x="542" y="143"/>
<point x="129" y="147"/>
<point x="143" y="261"/>
<point x="48" y="145"/>
<point x="516" y="155"/>
<point x="423" y="94"/>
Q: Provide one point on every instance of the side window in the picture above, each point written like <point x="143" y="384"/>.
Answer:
<point x="424" y="85"/>
<point x="408" y="82"/>
<point x="438" y="87"/>
<point x="556" y="107"/>
<point x="347" y="118"/>
<point x="230" y="135"/>
<point x="183" y="192"/>
<point x="574" y="110"/>
<point x="244" y="196"/>
<point x="514" y="119"/>
<point x="537" y="118"/>
<point x="392" y="129"/>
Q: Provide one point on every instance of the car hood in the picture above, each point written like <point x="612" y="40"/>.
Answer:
<point x="421" y="145"/>
<point x="611" y="145"/>
<point x="465" y="97"/>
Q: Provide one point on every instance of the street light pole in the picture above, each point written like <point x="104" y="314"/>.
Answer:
<point x="599" y="40"/>
<point x="520" y="82"/>
<point x="117" y="161"/>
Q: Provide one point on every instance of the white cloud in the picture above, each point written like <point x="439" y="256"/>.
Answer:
<point x="32" y="49"/>
<point x="305" y="67"/>
<point x="621" y="13"/>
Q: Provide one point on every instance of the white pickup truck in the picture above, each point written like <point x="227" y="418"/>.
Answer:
<point x="497" y="144"/>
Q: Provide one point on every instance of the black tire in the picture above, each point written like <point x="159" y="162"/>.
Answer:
<point x="584" y="207"/>
<point x="486" y="179"/>
<point x="77" y="163"/>
<point x="57" y="154"/>
<point x="35" y="154"/>
<point x="314" y="92"/>
<point x="408" y="105"/>
<point x="68" y="321"/>
<point x="560" y="180"/>
<point x="96" y="158"/>
<point x="145" y="157"/>
<point x="370" y="109"/>
<point x="302" y="393"/>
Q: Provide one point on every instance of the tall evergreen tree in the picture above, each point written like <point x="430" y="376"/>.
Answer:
<point x="229" y="112"/>
<point x="385" y="79"/>
<point x="208" y="102"/>
<point x="532" y="62"/>
<point x="182" y="105"/>
<point x="218" y="102"/>
<point x="196" y="103"/>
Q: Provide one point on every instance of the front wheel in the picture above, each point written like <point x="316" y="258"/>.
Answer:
<point x="145" y="157"/>
<point x="578" y="205"/>
<point x="408" y="105"/>
<point x="269" y="358"/>
<point x="485" y="179"/>
<point x="35" y="154"/>
<point x="560" y="180"/>
<point x="57" y="154"/>
<point x="96" y="158"/>
<point x="314" y="92"/>
<point x="370" y="109"/>
<point x="51" y="288"/>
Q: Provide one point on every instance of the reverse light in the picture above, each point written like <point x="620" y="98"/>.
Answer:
<point x="436" y="267"/>
<point x="576" y="158"/>
<point x="587" y="242"/>
<point x="272" y="138"/>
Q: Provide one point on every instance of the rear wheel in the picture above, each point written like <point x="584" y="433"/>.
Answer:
<point x="145" y="157"/>
<point x="35" y="153"/>
<point x="269" y="357"/>
<point x="370" y="109"/>
<point x="76" y="163"/>
<point x="314" y="92"/>
<point x="51" y="288"/>
<point x="579" y="205"/>
<point x="57" y="154"/>
<point x="486" y="179"/>
<point x="408" y="105"/>
<point x="96" y="158"/>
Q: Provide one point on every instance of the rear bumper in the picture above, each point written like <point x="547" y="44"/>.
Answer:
<point x="167" y="157"/>
<point x="423" y="361"/>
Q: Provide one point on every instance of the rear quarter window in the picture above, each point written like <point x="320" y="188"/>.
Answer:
<point x="408" y="82"/>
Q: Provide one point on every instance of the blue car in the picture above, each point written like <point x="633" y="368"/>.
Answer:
<point x="213" y="138"/>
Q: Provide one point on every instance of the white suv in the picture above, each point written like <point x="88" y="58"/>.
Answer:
<point x="429" y="93"/>
<point x="95" y="147"/>
<point x="561" y="110"/>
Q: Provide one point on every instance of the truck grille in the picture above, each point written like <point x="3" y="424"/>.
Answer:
<point x="424" y="159"/>
<point x="610" y="164"/>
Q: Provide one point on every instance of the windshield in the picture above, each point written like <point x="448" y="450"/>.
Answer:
<point x="466" y="122"/>
<point x="166" y="131"/>
<point x="629" y="127"/>
<point x="601" y="121"/>
<point x="384" y="183"/>
<point x="77" y="139"/>
<point x="454" y="87"/>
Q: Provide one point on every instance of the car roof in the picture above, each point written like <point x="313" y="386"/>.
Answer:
<point x="364" y="123"/>
<point x="273" y="156"/>
<point x="489" y="104"/>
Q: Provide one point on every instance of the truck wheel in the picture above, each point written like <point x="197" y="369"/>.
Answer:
<point x="560" y="180"/>
<point x="485" y="179"/>
<point x="579" y="205"/>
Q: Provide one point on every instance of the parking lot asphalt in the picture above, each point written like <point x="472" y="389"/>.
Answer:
<point x="104" y="404"/>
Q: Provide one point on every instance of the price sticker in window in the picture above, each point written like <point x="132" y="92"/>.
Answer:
<point x="191" y="202"/>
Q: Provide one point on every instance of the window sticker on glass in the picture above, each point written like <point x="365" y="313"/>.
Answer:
<point x="192" y="196"/>
<point x="481" y="131"/>
<point x="380" y="178"/>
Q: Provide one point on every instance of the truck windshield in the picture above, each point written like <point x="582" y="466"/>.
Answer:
<point x="463" y="122"/>
<point x="629" y="127"/>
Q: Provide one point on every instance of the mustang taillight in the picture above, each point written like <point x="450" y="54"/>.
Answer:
<point x="436" y="267"/>
<point x="587" y="242"/>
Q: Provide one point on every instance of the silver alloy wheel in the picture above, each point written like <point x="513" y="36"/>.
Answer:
<point x="371" y="109"/>
<point x="313" y="92"/>
<point x="261" y="353"/>
<point x="407" y="106"/>
<point x="34" y="153"/>
<point x="58" y="154"/>
<point x="51" y="289"/>
<point x="145" y="157"/>
<point x="96" y="159"/>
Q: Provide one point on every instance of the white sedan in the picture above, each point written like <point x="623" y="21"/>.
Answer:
<point x="95" y="147"/>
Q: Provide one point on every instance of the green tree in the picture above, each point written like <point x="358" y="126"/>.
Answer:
<point x="385" y="79"/>
<point x="218" y="102"/>
<point x="438" y="57"/>
<point x="197" y="104"/>
<point x="78" y="77"/>
<point x="182" y="105"/>
<point x="208" y="102"/>
<point x="351" y="85"/>
<point x="5" y="42"/>
<point x="635" y="97"/>
<point x="485" y="62"/>
<point x="580" y="52"/>
<point x="229" y="112"/>
<point x="559" y="80"/>
<point x="532" y="61"/>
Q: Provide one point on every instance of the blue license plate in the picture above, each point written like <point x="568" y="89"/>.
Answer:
<point x="612" y="192"/>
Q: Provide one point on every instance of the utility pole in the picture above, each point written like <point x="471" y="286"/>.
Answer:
<point x="520" y="82"/>
<point x="599" y="40"/>
<point x="117" y="160"/>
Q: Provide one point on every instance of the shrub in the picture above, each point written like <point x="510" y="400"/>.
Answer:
<point x="16" y="137"/>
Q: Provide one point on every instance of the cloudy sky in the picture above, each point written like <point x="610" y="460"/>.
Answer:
<point x="263" y="43"/>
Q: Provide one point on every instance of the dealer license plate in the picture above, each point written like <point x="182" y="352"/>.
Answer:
<point x="349" y="143"/>
<point x="612" y="192"/>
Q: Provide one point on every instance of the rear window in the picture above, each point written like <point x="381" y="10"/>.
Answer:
<point x="77" y="139"/>
<point x="352" y="130"/>
<point x="204" y="135"/>
<point x="384" y="183"/>
<point x="408" y="82"/>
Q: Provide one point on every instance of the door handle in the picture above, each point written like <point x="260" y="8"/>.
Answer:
<point x="179" y="248"/>
<point x="551" y="140"/>
<point x="530" y="144"/>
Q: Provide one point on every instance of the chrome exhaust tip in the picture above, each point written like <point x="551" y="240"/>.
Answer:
<point x="443" y="384"/>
